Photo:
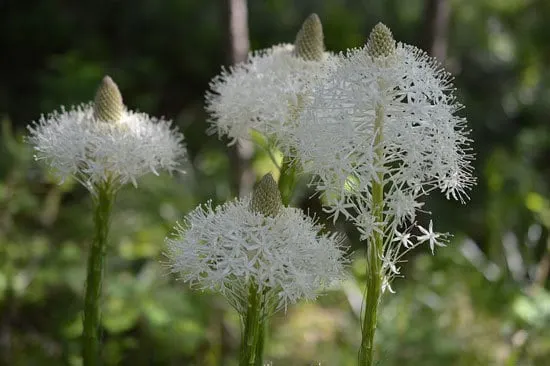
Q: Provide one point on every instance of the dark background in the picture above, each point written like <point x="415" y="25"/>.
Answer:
<point x="483" y="300"/>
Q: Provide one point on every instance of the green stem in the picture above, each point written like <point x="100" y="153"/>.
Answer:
<point x="261" y="342"/>
<point x="287" y="180"/>
<point x="103" y="204"/>
<point x="251" y="334"/>
<point x="374" y="254"/>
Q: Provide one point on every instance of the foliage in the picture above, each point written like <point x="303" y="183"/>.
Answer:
<point x="484" y="300"/>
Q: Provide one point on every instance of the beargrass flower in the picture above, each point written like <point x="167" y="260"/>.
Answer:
<point x="259" y="254"/>
<point x="278" y="248"/>
<point x="103" y="145"/>
<point x="104" y="141"/>
<point x="378" y="134"/>
<point x="265" y="92"/>
<point x="385" y="123"/>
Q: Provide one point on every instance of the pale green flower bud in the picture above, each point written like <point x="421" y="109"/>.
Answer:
<point x="309" y="44"/>
<point x="266" y="198"/>
<point x="381" y="42"/>
<point x="108" y="105"/>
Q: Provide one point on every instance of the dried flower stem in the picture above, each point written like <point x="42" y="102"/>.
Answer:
<point x="103" y="203"/>
<point x="375" y="251"/>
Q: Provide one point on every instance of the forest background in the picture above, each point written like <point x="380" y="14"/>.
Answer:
<point x="483" y="300"/>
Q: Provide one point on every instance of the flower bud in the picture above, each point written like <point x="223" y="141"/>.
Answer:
<point x="266" y="198"/>
<point x="381" y="42"/>
<point x="108" y="104"/>
<point x="309" y="44"/>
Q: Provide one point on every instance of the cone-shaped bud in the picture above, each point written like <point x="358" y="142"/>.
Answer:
<point x="309" y="43"/>
<point x="108" y="104"/>
<point x="266" y="198"/>
<point x="381" y="42"/>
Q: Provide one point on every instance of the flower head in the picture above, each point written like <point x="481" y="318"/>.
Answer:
<point x="264" y="92"/>
<point x="103" y="141"/>
<point x="386" y="121"/>
<point x="229" y="247"/>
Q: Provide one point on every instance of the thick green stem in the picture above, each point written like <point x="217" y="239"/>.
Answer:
<point x="103" y="204"/>
<point x="251" y="333"/>
<point x="287" y="180"/>
<point x="374" y="254"/>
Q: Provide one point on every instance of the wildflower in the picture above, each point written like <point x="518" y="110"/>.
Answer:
<point x="385" y="121"/>
<point x="103" y="145"/>
<point x="430" y="237"/>
<point x="255" y="241"/>
<point x="266" y="92"/>
<point x="403" y="238"/>
<point x="102" y="141"/>
<point x="385" y="118"/>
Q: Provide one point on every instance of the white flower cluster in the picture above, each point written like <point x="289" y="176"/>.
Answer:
<point x="75" y="143"/>
<point x="261" y="93"/>
<point x="231" y="247"/>
<point x="388" y="121"/>
<point x="376" y="128"/>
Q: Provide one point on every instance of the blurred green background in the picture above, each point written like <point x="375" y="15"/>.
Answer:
<point x="483" y="300"/>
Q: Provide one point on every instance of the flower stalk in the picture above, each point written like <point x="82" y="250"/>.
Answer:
<point x="266" y="200"/>
<point x="380" y="45"/>
<point x="287" y="180"/>
<point x="252" y="334"/>
<point x="103" y="204"/>
<point x="375" y="252"/>
<point x="259" y="360"/>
